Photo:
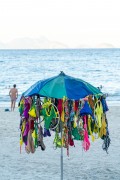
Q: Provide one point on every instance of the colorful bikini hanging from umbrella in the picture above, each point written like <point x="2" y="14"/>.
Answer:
<point x="71" y="107"/>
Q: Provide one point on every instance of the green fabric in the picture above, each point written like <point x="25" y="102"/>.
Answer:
<point x="36" y="132"/>
<point x="76" y="134"/>
<point x="49" y="118"/>
<point x="57" y="141"/>
<point x="56" y="88"/>
<point x="21" y="108"/>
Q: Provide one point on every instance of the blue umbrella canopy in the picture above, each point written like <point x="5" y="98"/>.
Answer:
<point x="61" y="86"/>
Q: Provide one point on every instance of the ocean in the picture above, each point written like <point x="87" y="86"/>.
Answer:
<point x="99" y="67"/>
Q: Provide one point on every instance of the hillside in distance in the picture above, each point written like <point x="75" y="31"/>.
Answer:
<point x="44" y="43"/>
<point x="31" y="43"/>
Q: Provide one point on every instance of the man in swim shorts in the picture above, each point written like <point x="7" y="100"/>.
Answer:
<point x="13" y="93"/>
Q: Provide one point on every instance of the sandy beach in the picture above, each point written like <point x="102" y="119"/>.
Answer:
<point x="45" y="165"/>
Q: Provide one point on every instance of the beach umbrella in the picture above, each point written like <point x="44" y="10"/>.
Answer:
<point x="61" y="86"/>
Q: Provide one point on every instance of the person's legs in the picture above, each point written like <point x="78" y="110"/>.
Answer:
<point x="11" y="105"/>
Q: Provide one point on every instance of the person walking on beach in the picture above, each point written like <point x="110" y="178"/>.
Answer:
<point x="13" y="93"/>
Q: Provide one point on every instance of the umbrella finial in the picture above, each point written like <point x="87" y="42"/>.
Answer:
<point x="62" y="73"/>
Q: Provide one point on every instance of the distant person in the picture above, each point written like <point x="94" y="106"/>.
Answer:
<point x="13" y="93"/>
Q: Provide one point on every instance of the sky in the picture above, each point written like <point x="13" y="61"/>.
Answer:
<point x="72" y="22"/>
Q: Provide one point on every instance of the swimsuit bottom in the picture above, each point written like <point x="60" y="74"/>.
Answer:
<point x="13" y="99"/>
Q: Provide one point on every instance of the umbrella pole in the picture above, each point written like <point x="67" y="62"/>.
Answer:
<point x="61" y="162"/>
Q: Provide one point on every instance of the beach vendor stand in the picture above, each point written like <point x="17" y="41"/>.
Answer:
<point x="71" y="107"/>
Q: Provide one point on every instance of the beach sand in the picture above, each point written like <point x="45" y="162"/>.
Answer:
<point x="45" y="165"/>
